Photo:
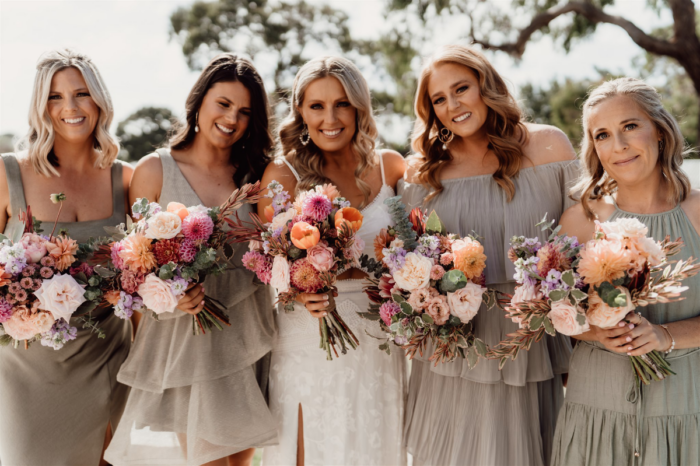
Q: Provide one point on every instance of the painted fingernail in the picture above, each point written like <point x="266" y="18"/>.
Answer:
<point x="631" y="325"/>
<point x="629" y="339"/>
<point x="621" y="324"/>
<point x="325" y="296"/>
<point x="326" y="303"/>
<point x="324" y="314"/>
<point x="629" y="354"/>
<point x="629" y="348"/>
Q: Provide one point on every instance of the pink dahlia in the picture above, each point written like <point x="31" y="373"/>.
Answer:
<point x="197" y="226"/>
<point x="387" y="310"/>
<point x="5" y="310"/>
<point x="316" y="207"/>
<point x="188" y="250"/>
<point x="167" y="250"/>
<point x="265" y="272"/>
<point x="305" y="277"/>
<point x="130" y="281"/>
<point x="253" y="260"/>
<point x="116" y="258"/>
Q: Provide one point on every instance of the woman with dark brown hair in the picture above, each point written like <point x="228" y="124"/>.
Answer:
<point x="202" y="399"/>
<point x="484" y="170"/>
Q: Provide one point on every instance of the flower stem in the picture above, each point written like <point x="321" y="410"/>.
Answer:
<point x="60" y="207"/>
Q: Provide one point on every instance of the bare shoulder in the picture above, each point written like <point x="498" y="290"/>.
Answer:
<point x="127" y="172"/>
<point x="691" y="207"/>
<point x="394" y="166"/>
<point x="147" y="178"/>
<point x="547" y="144"/>
<point x="574" y="222"/>
<point x="4" y="188"/>
<point x="278" y="171"/>
<point x="413" y="164"/>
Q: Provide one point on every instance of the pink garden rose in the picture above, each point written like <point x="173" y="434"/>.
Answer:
<point x="34" y="247"/>
<point x="465" y="302"/>
<point x="438" y="309"/>
<point x="321" y="257"/>
<point x="61" y="295"/>
<point x="157" y="295"/>
<point x="420" y="298"/>
<point x="163" y="225"/>
<point x="563" y="317"/>
<point x="25" y="323"/>
<point x="603" y="316"/>
<point x="415" y="273"/>
<point x="280" y="274"/>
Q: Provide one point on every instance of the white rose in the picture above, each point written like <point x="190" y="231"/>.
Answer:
<point x="280" y="274"/>
<point x="280" y="220"/>
<point x="163" y="225"/>
<point x="198" y="209"/>
<point x="465" y="302"/>
<point x="157" y="295"/>
<point x="415" y="273"/>
<point x="61" y="295"/>
<point x="603" y="316"/>
<point x="623" y="228"/>
<point x="651" y="249"/>
<point x="563" y="316"/>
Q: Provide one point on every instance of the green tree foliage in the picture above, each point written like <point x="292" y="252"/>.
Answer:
<point x="144" y="131"/>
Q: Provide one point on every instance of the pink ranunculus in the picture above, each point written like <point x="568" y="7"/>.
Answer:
<point x="25" y="323"/>
<point x="420" y="298"/>
<point x="61" y="295"/>
<point x="321" y="257"/>
<point x="157" y="295"/>
<point x="603" y="316"/>
<point x="465" y="302"/>
<point x="415" y="273"/>
<point x="280" y="274"/>
<point x="438" y="309"/>
<point x="34" y="247"/>
<point x="563" y="317"/>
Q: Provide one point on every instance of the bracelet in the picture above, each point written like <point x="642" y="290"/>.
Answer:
<point x="673" y="341"/>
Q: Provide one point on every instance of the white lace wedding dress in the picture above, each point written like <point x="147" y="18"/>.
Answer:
<point x="353" y="406"/>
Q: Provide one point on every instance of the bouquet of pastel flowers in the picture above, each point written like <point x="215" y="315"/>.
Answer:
<point x="302" y="247"/>
<point x="427" y="285"/>
<point x="43" y="285"/>
<point x="152" y="262"/>
<point x="565" y="286"/>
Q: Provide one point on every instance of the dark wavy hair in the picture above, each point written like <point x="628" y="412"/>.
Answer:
<point x="252" y="152"/>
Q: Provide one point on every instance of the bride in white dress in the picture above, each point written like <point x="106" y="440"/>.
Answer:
<point x="353" y="406"/>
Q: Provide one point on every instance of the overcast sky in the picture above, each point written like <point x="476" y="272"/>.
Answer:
<point x="128" y="40"/>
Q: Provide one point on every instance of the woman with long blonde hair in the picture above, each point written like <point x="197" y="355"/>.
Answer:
<point x="58" y="405"/>
<point x="632" y="153"/>
<point x="484" y="170"/>
<point x="347" y="411"/>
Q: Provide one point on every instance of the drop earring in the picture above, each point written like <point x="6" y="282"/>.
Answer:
<point x="304" y="137"/>
<point x="445" y="137"/>
<point x="196" y="123"/>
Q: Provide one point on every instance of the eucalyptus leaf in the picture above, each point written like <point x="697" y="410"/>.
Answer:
<point x="453" y="281"/>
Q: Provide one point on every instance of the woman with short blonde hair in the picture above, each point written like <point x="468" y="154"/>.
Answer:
<point x="59" y="405"/>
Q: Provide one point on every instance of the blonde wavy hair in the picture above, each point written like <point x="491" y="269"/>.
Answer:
<point x="594" y="182"/>
<point x="504" y="127"/>
<point x="308" y="160"/>
<point x="40" y="139"/>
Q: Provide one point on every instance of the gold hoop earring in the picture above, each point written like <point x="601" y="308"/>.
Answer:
<point x="445" y="136"/>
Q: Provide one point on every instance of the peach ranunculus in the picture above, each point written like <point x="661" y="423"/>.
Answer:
<point x="563" y="316"/>
<point x="321" y="257"/>
<point x="137" y="253"/>
<point x="415" y="272"/>
<point x="280" y="274"/>
<point x="62" y="249"/>
<point x="469" y="257"/>
<point x="603" y="316"/>
<point x="465" y="302"/>
<point x="179" y="209"/>
<point x="112" y="297"/>
<point x="603" y="260"/>
<point x="157" y="295"/>
<point x="350" y="216"/>
<point x="34" y="247"/>
<point x="61" y="295"/>
<point x="304" y="235"/>
<point x="438" y="309"/>
<point x="269" y="212"/>
<point x="25" y="323"/>
<point x="328" y="190"/>
<point x="282" y="219"/>
<point x="163" y="225"/>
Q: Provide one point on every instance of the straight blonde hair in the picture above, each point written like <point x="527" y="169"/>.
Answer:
<point x="594" y="182"/>
<point x="39" y="140"/>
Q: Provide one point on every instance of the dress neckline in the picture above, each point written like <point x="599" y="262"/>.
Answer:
<point x="657" y="214"/>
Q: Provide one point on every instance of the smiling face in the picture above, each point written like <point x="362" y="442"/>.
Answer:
<point x="625" y="139"/>
<point x="327" y="112"/>
<point x="455" y="95"/>
<point x="71" y="109"/>
<point x="224" y="114"/>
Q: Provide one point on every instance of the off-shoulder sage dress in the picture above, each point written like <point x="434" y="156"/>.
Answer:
<point x="606" y="417"/>
<point x="483" y="416"/>
<point x="197" y="398"/>
<point x="55" y="405"/>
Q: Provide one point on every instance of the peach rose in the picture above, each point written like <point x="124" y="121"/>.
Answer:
<point x="321" y="257"/>
<point x="25" y="324"/>
<point x="178" y="209"/>
<point x="163" y="225"/>
<point x="157" y="295"/>
<point x="280" y="274"/>
<point x="415" y="273"/>
<point x="350" y="216"/>
<point x="603" y="316"/>
<point x="465" y="302"/>
<point x="61" y="295"/>
<point x="563" y="317"/>
<point x="438" y="309"/>
<point x="305" y="236"/>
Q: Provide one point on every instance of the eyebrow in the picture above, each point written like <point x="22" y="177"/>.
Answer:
<point x="623" y="122"/>
<point x="457" y="84"/>
<point x="346" y="99"/>
<point x="230" y="101"/>
<point x="82" y="89"/>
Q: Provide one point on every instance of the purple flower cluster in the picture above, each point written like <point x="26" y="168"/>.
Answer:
<point x="13" y="256"/>
<point x="5" y="310"/>
<point x="394" y="258"/>
<point x="280" y="197"/>
<point x="59" y="334"/>
<point x="428" y="246"/>
<point x="178" y="285"/>
<point x="126" y="306"/>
